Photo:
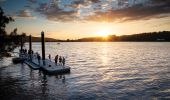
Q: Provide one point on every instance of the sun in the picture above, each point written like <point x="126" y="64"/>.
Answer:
<point x="103" y="33"/>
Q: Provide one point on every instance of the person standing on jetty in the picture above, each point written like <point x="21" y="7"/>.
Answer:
<point x="56" y="59"/>
<point x="26" y="51"/>
<point x="63" y="61"/>
<point x="60" y="60"/>
<point x="39" y="58"/>
<point x="29" y="53"/>
<point x="49" y="56"/>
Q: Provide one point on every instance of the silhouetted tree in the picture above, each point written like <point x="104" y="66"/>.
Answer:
<point x="3" y="21"/>
<point x="23" y="35"/>
<point x="14" y="32"/>
<point x="8" y="42"/>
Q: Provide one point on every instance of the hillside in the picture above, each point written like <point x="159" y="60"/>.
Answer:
<point x="141" y="37"/>
<point x="38" y="39"/>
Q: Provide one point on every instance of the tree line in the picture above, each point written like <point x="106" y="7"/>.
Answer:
<point x="8" y="42"/>
<point x="141" y="37"/>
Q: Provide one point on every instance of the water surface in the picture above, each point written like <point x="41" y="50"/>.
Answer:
<point x="108" y="70"/>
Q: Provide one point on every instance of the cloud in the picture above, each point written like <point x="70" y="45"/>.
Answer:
<point x="55" y="13"/>
<point x="32" y="1"/>
<point x="104" y="10"/>
<point x="2" y="0"/>
<point x="24" y="14"/>
<point x="135" y="12"/>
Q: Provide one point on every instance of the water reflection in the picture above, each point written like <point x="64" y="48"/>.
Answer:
<point x="104" y="54"/>
<point x="22" y="68"/>
<point x="44" y="85"/>
<point x="98" y="71"/>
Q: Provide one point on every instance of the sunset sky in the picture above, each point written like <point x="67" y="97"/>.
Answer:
<point x="63" y="19"/>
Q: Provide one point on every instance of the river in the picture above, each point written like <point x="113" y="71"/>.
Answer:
<point x="99" y="70"/>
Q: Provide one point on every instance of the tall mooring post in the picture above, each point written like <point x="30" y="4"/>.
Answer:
<point x="43" y="47"/>
<point x="30" y="43"/>
<point x="21" y="43"/>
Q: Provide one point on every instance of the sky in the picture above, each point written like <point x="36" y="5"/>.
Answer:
<point x="73" y="19"/>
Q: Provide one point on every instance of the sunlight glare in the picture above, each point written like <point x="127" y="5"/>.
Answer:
<point x="103" y="33"/>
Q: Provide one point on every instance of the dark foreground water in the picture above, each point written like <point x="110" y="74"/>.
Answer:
<point x="119" y="70"/>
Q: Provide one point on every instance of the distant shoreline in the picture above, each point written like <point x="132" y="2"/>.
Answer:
<point x="163" y="36"/>
<point x="98" y="41"/>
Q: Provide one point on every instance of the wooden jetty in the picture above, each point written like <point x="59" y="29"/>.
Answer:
<point x="46" y="65"/>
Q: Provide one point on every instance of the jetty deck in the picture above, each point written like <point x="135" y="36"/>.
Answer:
<point x="47" y="66"/>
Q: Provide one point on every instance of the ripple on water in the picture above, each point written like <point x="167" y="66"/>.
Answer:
<point x="118" y="70"/>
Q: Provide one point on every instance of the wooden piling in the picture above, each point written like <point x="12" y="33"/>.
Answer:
<point x="43" y="45"/>
<point x="30" y="43"/>
<point x="21" y="43"/>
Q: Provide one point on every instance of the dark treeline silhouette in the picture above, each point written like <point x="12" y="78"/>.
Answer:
<point x="8" y="41"/>
<point x="163" y="36"/>
<point x="152" y="36"/>
<point x="142" y="37"/>
<point x="38" y="39"/>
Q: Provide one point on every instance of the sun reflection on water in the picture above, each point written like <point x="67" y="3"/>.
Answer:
<point x="104" y="54"/>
